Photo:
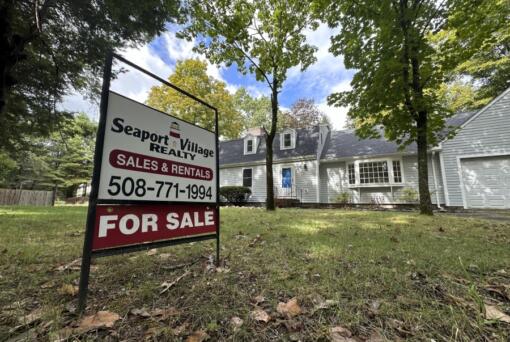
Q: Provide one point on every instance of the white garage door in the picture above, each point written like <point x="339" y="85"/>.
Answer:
<point x="487" y="182"/>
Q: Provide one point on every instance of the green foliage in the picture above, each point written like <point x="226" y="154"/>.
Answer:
<point x="48" y="48"/>
<point x="478" y="37"/>
<point x="256" y="111"/>
<point x="7" y="167"/>
<point x="64" y="159"/>
<point x="459" y="96"/>
<point x="409" y="195"/>
<point x="235" y="194"/>
<point x="191" y="75"/>
<point x="265" y="38"/>
<point x="398" y="70"/>
<point x="343" y="197"/>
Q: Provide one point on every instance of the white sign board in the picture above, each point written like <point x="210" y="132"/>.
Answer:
<point x="151" y="156"/>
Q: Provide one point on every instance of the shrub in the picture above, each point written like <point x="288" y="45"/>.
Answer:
<point x="343" y="197"/>
<point x="235" y="194"/>
<point x="409" y="195"/>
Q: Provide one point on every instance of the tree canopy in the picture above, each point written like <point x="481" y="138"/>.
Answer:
<point x="64" y="159"/>
<point x="191" y="75"/>
<point x="304" y="113"/>
<point x="398" y="71"/>
<point x="49" y="47"/>
<point x="265" y="38"/>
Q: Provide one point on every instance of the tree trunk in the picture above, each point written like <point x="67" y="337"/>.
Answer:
<point x="423" y="172"/>
<point x="269" y="146"/>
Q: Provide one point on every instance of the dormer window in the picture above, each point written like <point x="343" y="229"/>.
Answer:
<point x="288" y="139"/>
<point x="250" y="145"/>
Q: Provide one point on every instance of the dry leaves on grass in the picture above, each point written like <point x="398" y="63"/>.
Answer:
<point x="289" y="309"/>
<point x="163" y="314"/>
<point x="101" y="319"/>
<point x="72" y="266"/>
<point x="340" y="334"/>
<point x="68" y="290"/>
<point x="259" y="299"/>
<point x="27" y="320"/>
<point x="198" y="336"/>
<point x="179" y="330"/>
<point x="260" y="315"/>
<point x="236" y="322"/>
<point x="493" y="313"/>
<point x="168" y="285"/>
<point x="140" y="312"/>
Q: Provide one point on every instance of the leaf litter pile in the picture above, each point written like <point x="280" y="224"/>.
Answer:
<point x="293" y="275"/>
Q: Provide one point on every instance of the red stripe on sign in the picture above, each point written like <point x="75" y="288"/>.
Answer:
<point x="127" y="225"/>
<point x="139" y="162"/>
<point x="175" y="134"/>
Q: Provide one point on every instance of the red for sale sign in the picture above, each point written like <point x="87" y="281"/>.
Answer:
<point x="126" y="225"/>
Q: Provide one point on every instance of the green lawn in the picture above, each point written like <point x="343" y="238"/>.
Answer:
<point x="381" y="274"/>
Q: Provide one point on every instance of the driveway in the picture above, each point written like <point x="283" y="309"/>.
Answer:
<point x="488" y="214"/>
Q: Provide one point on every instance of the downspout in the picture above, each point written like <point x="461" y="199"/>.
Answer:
<point x="435" y="180"/>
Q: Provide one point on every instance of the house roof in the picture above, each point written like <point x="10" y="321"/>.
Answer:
<point x="338" y="144"/>
<point x="344" y="144"/>
<point x="232" y="151"/>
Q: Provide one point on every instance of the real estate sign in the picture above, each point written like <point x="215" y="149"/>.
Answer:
<point x="149" y="156"/>
<point x="155" y="180"/>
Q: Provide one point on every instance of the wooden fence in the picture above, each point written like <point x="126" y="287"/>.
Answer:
<point x="26" y="197"/>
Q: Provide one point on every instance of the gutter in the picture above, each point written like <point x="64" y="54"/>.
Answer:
<point x="435" y="180"/>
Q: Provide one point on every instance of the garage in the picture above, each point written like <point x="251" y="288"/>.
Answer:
<point x="486" y="182"/>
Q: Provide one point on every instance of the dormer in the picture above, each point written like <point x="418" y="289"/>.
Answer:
<point x="288" y="139"/>
<point x="250" y="144"/>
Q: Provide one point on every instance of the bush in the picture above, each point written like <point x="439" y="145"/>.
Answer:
<point x="409" y="195"/>
<point x="343" y="197"/>
<point x="235" y="194"/>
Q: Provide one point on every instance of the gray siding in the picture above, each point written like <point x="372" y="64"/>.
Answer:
<point x="304" y="182"/>
<point x="487" y="134"/>
<point x="334" y="180"/>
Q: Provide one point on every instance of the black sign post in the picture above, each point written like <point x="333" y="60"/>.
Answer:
<point x="94" y="202"/>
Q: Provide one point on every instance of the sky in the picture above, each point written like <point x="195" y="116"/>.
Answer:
<point x="326" y="76"/>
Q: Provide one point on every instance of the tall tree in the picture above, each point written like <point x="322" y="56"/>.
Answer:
<point x="398" y="71"/>
<point x="64" y="159"/>
<point x="256" y="111"/>
<point x="191" y="75"/>
<point x="49" y="47"/>
<point x="261" y="37"/>
<point x="305" y="113"/>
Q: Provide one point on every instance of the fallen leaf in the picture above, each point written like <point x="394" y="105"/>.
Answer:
<point x="68" y="290"/>
<point x="236" y="322"/>
<point x="152" y="251"/>
<point x="31" y="318"/>
<point x="198" y="336"/>
<point x="163" y="314"/>
<point x="493" y="313"/>
<point x="257" y="239"/>
<point x="180" y="329"/>
<point x="289" y="309"/>
<point x="101" y="319"/>
<point x="166" y="285"/>
<point x="324" y="304"/>
<point x="140" y="312"/>
<point x="165" y="256"/>
<point x="259" y="299"/>
<point x="340" y="334"/>
<point x="222" y="270"/>
<point x="260" y="315"/>
<point x="375" y="336"/>
<point x="73" y="265"/>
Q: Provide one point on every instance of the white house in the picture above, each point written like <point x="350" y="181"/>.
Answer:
<point x="316" y="164"/>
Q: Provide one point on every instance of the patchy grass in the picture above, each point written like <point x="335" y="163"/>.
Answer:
<point x="386" y="275"/>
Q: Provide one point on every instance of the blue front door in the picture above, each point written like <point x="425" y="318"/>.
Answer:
<point x="287" y="178"/>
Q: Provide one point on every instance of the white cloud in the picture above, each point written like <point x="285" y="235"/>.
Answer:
<point x="336" y="115"/>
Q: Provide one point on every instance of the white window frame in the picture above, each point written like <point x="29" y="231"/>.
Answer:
<point x="242" y="176"/>
<point x="292" y="139"/>
<point x="389" y="163"/>
<point x="254" y="145"/>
